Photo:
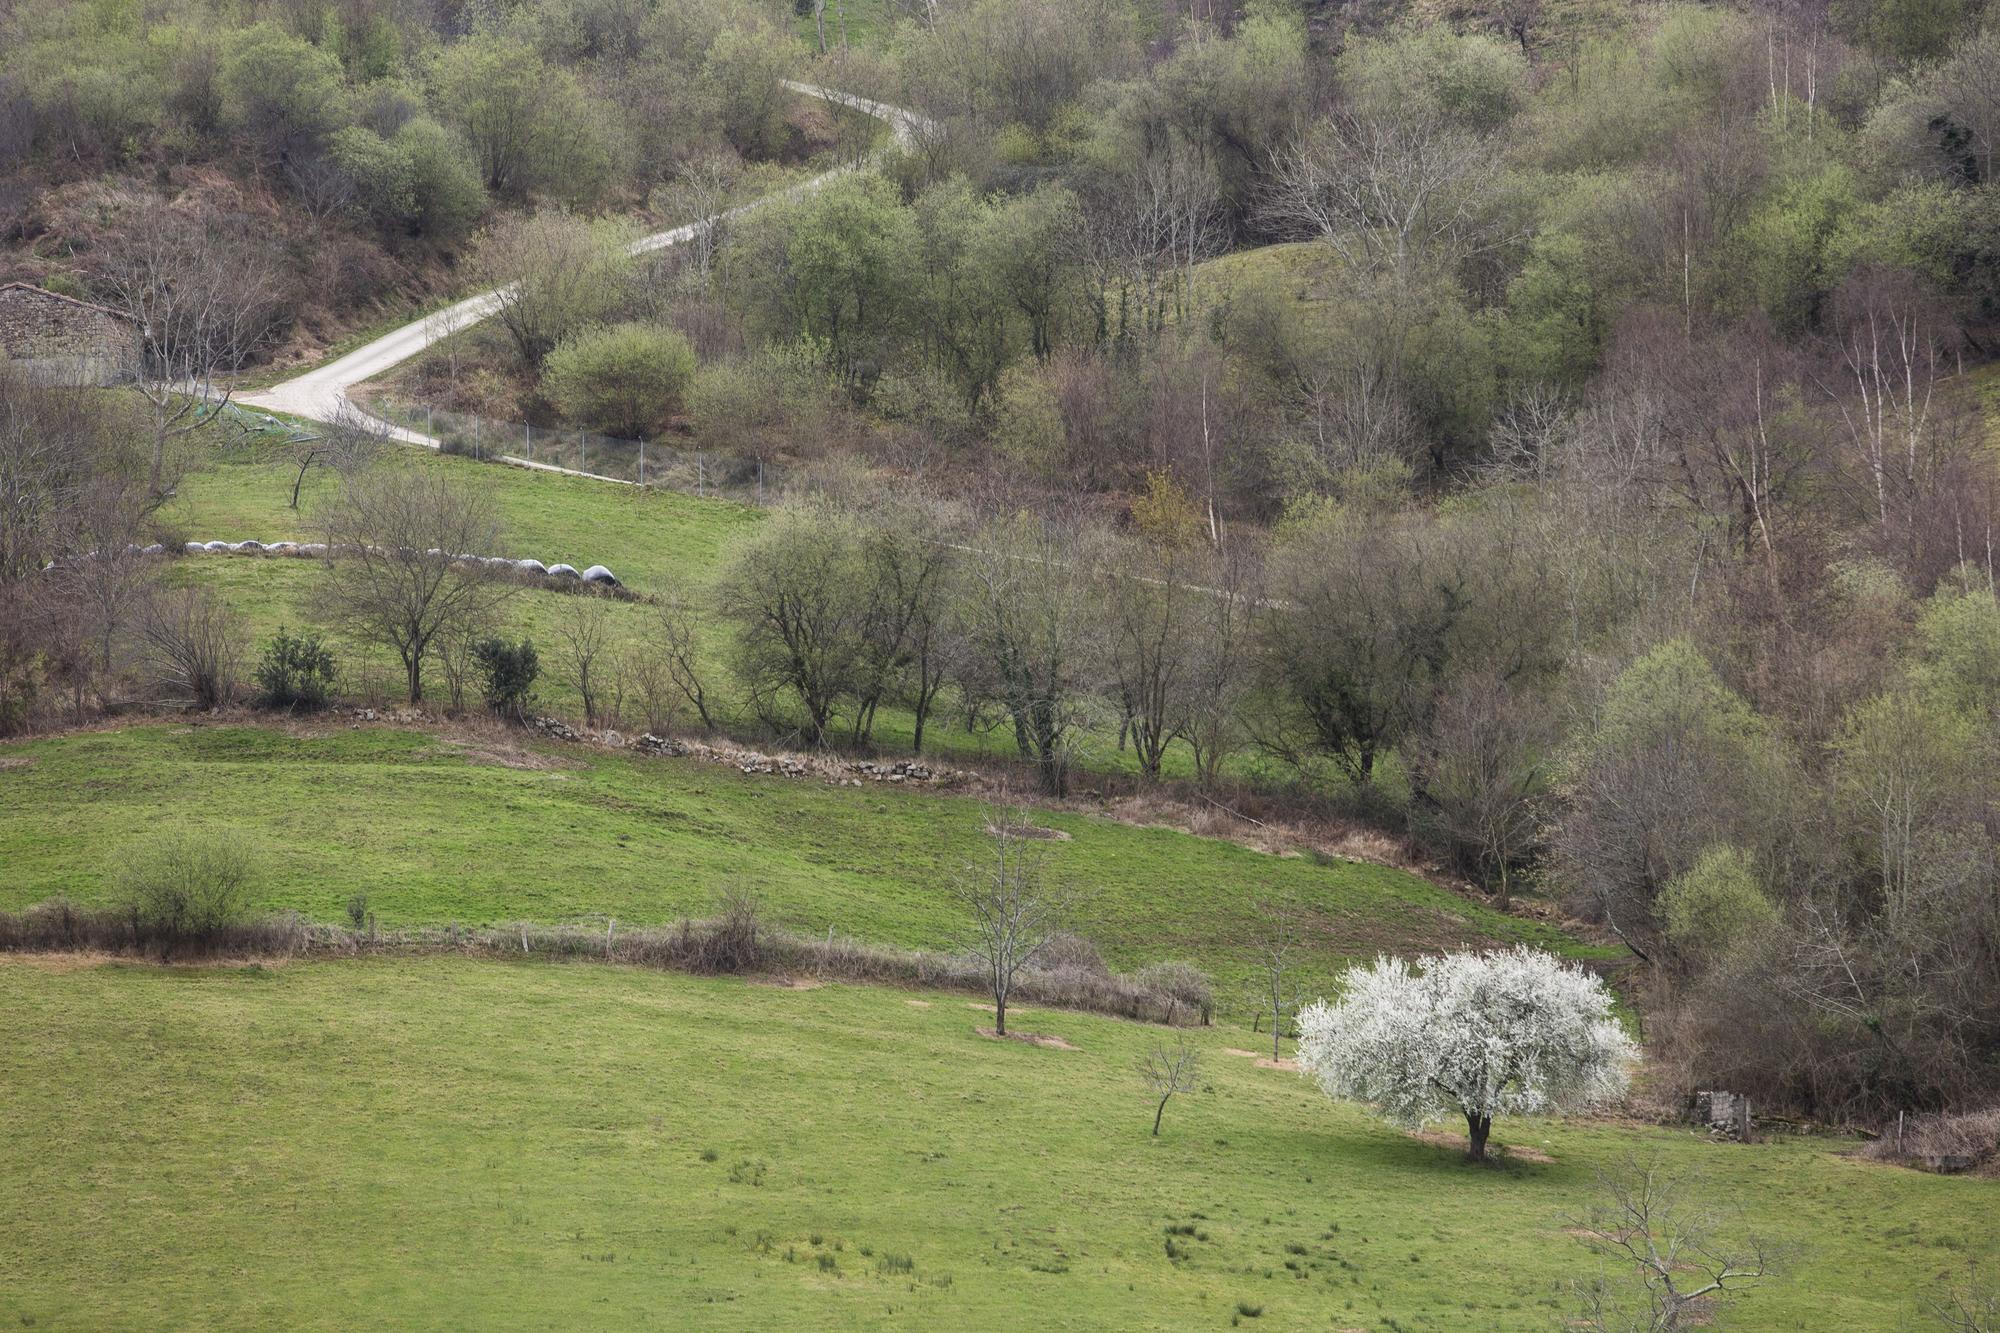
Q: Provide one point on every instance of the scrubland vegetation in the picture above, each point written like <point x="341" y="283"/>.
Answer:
<point x="1547" y="445"/>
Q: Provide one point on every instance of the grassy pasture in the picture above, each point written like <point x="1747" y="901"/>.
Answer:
<point x="444" y="1142"/>
<point x="436" y="830"/>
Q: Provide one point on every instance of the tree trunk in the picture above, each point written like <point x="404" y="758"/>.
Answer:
<point x="1478" y="1127"/>
<point x="1156" y="1117"/>
<point x="414" y="665"/>
<point x="999" y="1014"/>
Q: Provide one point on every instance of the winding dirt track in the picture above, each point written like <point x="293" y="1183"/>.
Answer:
<point x="321" y="394"/>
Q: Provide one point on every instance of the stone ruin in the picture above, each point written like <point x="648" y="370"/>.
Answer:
<point x="1726" y="1114"/>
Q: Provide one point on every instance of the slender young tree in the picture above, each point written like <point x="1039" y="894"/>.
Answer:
<point x="1168" y="1070"/>
<point x="1013" y="906"/>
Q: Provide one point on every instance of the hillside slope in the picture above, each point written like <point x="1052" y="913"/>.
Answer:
<point x="476" y="1144"/>
<point x="437" y="829"/>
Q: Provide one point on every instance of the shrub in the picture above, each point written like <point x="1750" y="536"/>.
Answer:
<point x="279" y="90"/>
<point x="1185" y="989"/>
<point x="506" y="674"/>
<point x="1716" y="904"/>
<point x="421" y="181"/>
<point x="730" y="942"/>
<point x="190" y="635"/>
<point x="1069" y="952"/>
<point x="20" y="687"/>
<point x="625" y="379"/>
<point x="187" y="885"/>
<point x="295" y="672"/>
<point x="1945" y="1143"/>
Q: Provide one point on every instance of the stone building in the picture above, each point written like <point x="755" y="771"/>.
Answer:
<point x="60" y="340"/>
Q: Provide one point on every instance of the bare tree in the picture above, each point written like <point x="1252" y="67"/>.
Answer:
<point x="1152" y="615"/>
<point x="677" y="631"/>
<point x="1031" y="611"/>
<point x="1014" y="907"/>
<point x="1168" y="1070"/>
<point x="584" y="631"/>
<point x="193" y="642"/>
<point x="699" y="198"/>
<point x="1672" y="1256"/>
<point x="51" y="441"/>
<point x="1388" y="190"/>
<point x="1220" y="672"/>
<point x="457" y="661"/>
<point x="1480" y="770"/>
<point x="903" y="625"/>
<point x="1278" y="946"/>
<point x="552" y="274"/>
<point x="350" y="442"/>
<point x="395" y="575"/>
<point x="204" y="301"/>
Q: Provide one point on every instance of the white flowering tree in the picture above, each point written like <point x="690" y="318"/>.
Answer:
<point x="1478" y="1035"/>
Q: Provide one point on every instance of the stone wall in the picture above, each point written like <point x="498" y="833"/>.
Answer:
<point x="57" y="340"/>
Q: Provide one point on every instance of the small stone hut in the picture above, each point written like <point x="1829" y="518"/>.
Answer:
<point x="58" y="339"/>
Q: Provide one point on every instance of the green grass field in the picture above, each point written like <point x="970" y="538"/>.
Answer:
<point x="435" y="830"/>
<point x="648" y="537"/>
<point x="453" y="1143"/>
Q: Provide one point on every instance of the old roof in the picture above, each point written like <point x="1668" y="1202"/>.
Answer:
<point x="58" y="296"/>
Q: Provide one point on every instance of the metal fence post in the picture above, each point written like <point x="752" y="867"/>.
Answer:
<point x="430" y="422"/>
<point x="475" y="440"/>
<point x="642" y="461"/>
<point x="701" y="474"/>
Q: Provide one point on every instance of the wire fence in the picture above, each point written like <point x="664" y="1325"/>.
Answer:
<point x="700" y="472"/>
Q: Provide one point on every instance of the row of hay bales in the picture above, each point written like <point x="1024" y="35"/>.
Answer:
<point x="595" y="574"/>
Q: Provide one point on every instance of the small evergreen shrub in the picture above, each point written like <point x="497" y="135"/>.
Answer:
<point x="296" y="671"/>
<point x="507" y="674"/>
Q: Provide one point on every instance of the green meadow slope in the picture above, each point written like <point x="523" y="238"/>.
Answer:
<point x="436" y="830"/>
<point x="452" y="1143"/>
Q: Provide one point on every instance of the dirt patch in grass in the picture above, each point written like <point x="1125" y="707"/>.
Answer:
<point x="8" y="761"/>
<point x="84" y="959"/>
<point x="1234" y="1050"/>
<point x="1511" y="1151"/>
<point x="787" y="983"/>
<point x="60" y="962"/>
<point x="1041" y="1039"/>
<point x="1289" y="1066"/>
<point x="1035" y="831"/>
<point x="918" y="1004"/>
<point x="498" y="751"/>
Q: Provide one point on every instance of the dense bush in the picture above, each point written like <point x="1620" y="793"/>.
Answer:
<point x="419" y="181"/>
<point x="507" y="674"/>
<point x="626" y="380"/>
<point x="188" y="886"/>
<point x="296" y="671"/>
